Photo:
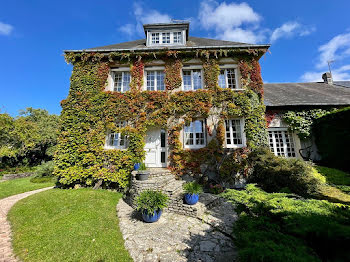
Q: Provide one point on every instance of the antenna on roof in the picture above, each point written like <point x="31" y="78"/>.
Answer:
<point x="329" y="62"/>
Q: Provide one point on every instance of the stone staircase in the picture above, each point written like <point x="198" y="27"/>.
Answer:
<point x="162" y="180"/>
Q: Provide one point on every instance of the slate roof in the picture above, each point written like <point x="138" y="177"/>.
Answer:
<point x="305" y="94"/>
<point x="342" y="83"/>
<point x="191" y="43"/>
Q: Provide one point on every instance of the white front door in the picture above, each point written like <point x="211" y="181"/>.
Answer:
<point x="155" y="148"/>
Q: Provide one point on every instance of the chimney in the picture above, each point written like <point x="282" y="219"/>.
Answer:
<point x="327" y="78"/>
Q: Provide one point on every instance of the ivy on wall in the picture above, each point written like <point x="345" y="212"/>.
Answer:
<point x="89" y="113"/>
<point x="301" y="121"/>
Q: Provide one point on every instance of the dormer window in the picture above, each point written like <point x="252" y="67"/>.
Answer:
<point x="166" y="38"/>
<point x="167" y="34"/>
<point x="177" y="37"/>
<point x="155" y="38"/>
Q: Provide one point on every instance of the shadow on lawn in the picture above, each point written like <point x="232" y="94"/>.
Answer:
<point x="279" y="227"/>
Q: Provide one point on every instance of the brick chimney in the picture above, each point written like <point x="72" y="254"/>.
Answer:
<point x="327" y="78"/>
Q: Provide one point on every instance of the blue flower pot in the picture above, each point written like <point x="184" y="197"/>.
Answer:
<point x="137" y="166"/>
<point x="191" y="199"/>
<point x="150" y="218"/>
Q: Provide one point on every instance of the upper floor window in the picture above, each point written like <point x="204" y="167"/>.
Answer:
<point x="155" y="80"/>
<point x="117" y="140"/>
<point x="155" y="38"/>
<point x="281" y="142"/>
<point x="194" y="134"/>
<point x="192" y="79"/>
<point x="177" y="37"/>
<point x="234" y="133"/>
<point x="121" y="81"/>
<point x="166" y="38"/>
<point x="227" y="78"/>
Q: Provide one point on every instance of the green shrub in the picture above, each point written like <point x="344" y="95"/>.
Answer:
<point x="192" y="188"/>
<point x="283" y="227"/>
<point x="332" y="137"/>
<point x="276" y="173"/>
<point x="44" y="173"/>
<point x="150" y="201"/>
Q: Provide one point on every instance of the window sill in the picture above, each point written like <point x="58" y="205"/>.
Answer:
<point x="114" y="148"/>
<point x="234" y="146"/>
<point x="194" y="147"/>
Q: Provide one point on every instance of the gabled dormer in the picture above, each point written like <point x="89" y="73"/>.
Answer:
<point x="167" y="34"/>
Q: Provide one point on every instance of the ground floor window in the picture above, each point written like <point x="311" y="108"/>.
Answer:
<point x="117" y="140"/>
<point x="234" y="129"/>
<point x="194" y="134"/>
<point x="281" y="142"/>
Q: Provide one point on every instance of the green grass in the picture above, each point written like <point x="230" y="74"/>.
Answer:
<point x="284" y="227"/>
<point x="334" y="176"/>
<point x="68" y="225"/>
<point x="20" y="185"/>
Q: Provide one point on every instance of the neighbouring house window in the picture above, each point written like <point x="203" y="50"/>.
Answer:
<point x="122" y="81"/>
<point x="177" y="37"/>
<point x="166" y="38"/>
<point x="194" y="136"/>
<point x="234" y="133"/>
<point x="155" y="38"/>
<point x="281" y="142"/>
<point x="227" y="78"/>
<point x="117" y="140"/>
<point x="155" y="80"/>
<point x="192" y="79"/>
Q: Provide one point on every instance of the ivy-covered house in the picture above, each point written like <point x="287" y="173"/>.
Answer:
<point x="291" y="109"/>
<point x="194" y="105"/>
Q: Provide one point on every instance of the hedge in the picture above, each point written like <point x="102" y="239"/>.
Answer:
<point x="332" y="137"/>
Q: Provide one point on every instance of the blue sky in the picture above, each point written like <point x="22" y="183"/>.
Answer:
<point x="33" y="35"/>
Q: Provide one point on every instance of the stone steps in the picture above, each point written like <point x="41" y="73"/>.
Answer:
<point x="164" y="181"/>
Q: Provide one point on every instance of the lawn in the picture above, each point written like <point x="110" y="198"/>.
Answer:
<point x="338" y="178"/>
<point x="68" y="225"/>
<point x="20" y="185"/>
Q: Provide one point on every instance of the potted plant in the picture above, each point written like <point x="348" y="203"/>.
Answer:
<point x="151" y="204"/>
<point x="142" y="173"/>
<point x="192" y="191"/>
<point x="137" y="166"/>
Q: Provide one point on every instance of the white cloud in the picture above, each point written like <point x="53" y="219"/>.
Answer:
<point x="225" y="16"/>
<point x="241" y="35"/>
<point x="239" y="22"/>
<point x="337" y="50"/>
<point x="142" y="16"/>
<point x="316" y="76"/>
<point x="235" y="22"/>
<point x="5" y="29"/>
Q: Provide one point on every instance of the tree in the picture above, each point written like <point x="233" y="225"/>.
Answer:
<point x="29" y="138"/>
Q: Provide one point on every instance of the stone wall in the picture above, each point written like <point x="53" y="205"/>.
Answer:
<point x="14" y="176"/>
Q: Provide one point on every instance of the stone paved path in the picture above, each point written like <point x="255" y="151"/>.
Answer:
<point x="178" y="238"/>
<point x="6" y="254"/>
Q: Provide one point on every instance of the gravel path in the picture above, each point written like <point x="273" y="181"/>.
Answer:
<point x="6" y="253"/>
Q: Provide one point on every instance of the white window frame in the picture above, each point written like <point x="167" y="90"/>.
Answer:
<point x="159" y="36"/>
<point x="156" y="71"/>
<point x="191" y="68"/>
<point x="284" y="131"/>
<point x="119" y="124"/>
<point x="235" y="67"/>
<point x="112" y="74"/>
<point x="171" y="43"/>
<point x="180" y="38"/>
<point x="242" y="132"/>
<point x="195" y="146"/>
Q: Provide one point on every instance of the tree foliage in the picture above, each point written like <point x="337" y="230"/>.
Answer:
<point x="29" y="138"/>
